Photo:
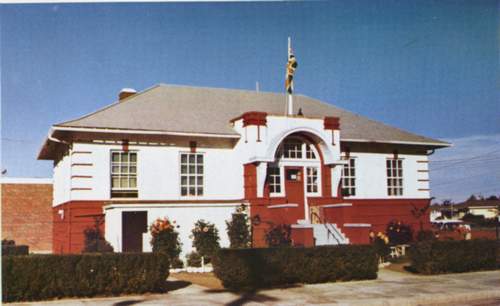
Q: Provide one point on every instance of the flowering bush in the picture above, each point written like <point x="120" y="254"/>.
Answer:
<point x="205" y="239"/>
<point x="279" y="236"/>
<point x="399" y="233"/>
<point x="238" y="229"/>
<point x="165" y="238"/>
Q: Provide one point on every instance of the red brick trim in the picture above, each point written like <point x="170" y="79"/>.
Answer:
<point x="81" y="152"/>
<point x="80" y="188"/>
<point x="424" y="189"/>
<point x="81" y="176"/>
<point x="254" y="118"/>
<point x="331" y="123"/>
<point x="192" y="146"/>
<point x="423" y="171"/>
<point x="423" y="161"/>
<point x="81" y="164"/>
<point x="423" y="180"/>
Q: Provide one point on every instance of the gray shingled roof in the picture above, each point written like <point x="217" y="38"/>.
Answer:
<point x="186" y="109"/>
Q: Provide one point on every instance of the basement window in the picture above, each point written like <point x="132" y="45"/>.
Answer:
<point x="124" y="174"/>
<point x="394" y="177"/>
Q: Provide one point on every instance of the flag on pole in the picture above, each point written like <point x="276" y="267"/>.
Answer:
<point x="290" y="70"/>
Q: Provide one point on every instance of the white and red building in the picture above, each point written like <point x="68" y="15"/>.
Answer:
<point x="191" y="153"/>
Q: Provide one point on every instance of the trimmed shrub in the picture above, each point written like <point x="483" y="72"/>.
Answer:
<point x="176" y="263"/>
<point x="279" y="236"/>
<point x="238" y="229"/>
<point x="381" y="248"/>
<point x="426" y="235"/>
<point x="246" y="269"/>
<point x="9" y="248"/>
<point x="399" y="233"/>
<point x="453" y="256"/>
<point x="95" y="242"/>
<point x="205" y="239"/>
<point x="193" y="259"/>
<point x="41" y="277"/>
<point x="165" y="239"/>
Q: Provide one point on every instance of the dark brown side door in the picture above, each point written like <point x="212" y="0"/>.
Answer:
<point x="134" y="224"/>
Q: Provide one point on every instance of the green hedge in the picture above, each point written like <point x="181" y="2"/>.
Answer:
<point x="242" y="269"/>
<point x="434" y="257"/>
<point x="40" y="277"/>
<point x="8" y="250"/>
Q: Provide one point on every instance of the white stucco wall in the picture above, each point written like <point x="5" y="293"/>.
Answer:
<point x="62" y="180"/>
<point x="158" y="173"/>
<point x="185" y="216"/>
<point x="371" y="176"/>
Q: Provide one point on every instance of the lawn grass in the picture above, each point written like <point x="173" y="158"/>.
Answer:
<point x="207" y="280"/>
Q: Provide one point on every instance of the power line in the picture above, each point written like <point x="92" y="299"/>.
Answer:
<point x="472" y="158"/>
<point x="462" y="159"/>
<point x="461" y="164"/>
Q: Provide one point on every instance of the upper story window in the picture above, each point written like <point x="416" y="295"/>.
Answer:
<point x="312" y="179"/>
<point x="394" y="177"/>
<point x="274" y="179"/>
<point x="297" y="149"/>
<point x="292" y="149"/>
<point x="192" y="174"/>
<point x="349" y="178"/>
<point x="124" y="174"/>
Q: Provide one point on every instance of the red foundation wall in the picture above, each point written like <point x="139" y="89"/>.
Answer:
<point x="70" y="220"/>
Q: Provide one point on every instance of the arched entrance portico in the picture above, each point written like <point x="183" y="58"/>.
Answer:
<point x="296" y="173"/>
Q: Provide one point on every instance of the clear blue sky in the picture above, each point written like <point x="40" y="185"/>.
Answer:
<point x="430" y="67"/>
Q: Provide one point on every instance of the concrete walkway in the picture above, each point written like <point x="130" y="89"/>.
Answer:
<point x="391" y="288"/>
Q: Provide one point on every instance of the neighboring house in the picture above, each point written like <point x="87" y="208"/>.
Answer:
<point x="486" y="208"/>
<point x="27" y="212"/>
<point x="199" y="153"/>
<point x="446" y="212"/>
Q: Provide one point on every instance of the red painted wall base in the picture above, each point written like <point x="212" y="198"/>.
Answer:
<point x="70" y="220"/>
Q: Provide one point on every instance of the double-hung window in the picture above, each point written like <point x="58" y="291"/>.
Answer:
<point x="394" y="177"/>
<point x="349" y="178"/>
<point x="274" y="179"/>
<point x="192" y="174"/>
<point x="312" y="179"/>
<point x="124" y="174"/>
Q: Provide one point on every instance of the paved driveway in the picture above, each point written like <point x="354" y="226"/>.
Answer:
<point x="391" y="288"/>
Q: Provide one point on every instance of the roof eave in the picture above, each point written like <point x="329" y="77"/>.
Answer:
<point x="436" y="145"/>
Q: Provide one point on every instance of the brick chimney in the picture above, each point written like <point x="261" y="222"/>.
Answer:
<point x="125" y="93"/>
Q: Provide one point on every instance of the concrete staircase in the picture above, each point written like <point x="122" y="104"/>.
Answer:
<point x="328" y="234"/>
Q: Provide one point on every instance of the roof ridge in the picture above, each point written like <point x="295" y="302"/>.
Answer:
<point x="221" y="88"/>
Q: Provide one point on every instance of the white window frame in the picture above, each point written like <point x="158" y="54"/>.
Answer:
<point x="188" y="175"/>
<point x="395" y="177"/>
<point x="282" y="184"/>
<point x="349" y="177"/>
<point x="119" y="174"/>
<point x="317" y="182"/>
<point x="306" y="148"/>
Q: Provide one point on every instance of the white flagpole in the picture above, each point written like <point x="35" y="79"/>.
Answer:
<point x="289" y="95"/>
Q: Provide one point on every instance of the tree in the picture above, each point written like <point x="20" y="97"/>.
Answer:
<point x="238" y="229"/>
<point x="205" y="239"/>
<point x="165" y="238"/>
<point x="94" y="240"/>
